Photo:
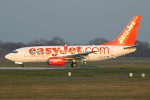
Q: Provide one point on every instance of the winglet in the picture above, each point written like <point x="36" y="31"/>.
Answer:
<point x="128" y="35"/>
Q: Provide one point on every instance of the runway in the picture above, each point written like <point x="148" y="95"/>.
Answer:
<point x="44" y="68"/>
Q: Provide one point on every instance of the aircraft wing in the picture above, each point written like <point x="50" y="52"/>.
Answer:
<point x="78" y="56"/>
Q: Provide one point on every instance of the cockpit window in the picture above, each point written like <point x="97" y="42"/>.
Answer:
<point x="14" y="51"/>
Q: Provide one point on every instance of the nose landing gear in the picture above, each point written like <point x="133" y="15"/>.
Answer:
<point x="22" y="65"/>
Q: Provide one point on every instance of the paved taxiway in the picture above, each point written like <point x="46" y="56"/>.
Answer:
<point x="43" y="68"/>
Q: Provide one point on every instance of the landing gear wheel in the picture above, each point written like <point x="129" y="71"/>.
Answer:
<point x="73" y="65"/>
<point x="22" y="65"/>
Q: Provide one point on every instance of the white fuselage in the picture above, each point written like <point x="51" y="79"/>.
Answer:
<point x="43" y="53"/>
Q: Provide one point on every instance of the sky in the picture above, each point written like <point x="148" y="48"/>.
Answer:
<point x="76" y="21"/>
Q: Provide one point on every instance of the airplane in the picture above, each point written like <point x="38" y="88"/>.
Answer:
<point x="59" y="55"/>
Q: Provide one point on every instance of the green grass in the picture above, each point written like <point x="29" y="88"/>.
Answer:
<point x="114" y="89"/>
<point x="41" y="84"/>
<point x="35" y="84"/>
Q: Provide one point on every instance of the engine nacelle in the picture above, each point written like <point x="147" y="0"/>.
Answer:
<point x="56" y="61"/>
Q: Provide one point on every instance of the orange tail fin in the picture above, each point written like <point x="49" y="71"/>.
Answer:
<point x="128" y="35"/>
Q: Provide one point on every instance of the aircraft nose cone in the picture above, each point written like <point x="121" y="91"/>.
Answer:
<point x="8" y="56"/>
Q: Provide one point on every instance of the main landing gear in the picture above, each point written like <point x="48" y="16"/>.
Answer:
<point x="73" y="64"/>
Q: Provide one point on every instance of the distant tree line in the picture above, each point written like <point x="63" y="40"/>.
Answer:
<point x="7" y="47"/>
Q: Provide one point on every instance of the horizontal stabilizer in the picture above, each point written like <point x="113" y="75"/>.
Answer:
<point x="132" y="47"/>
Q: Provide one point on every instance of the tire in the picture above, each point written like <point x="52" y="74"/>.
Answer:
<point x="22" y="65"/>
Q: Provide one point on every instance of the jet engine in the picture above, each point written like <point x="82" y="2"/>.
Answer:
<point x="56" y="61"/>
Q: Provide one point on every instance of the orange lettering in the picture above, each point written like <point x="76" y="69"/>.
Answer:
<point x="32" y="51"/>
<point x="72" y="50"/>
<point x="65" y="50"/>
<point x="95" y="50"/>
<point x="79" y="49"/>
<point x="104" y="49"/>
<point x="55" y="51"/>
<point x="87" y="48"/>
<point x="48" y="51"/>
<point x="40" y="51"/>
